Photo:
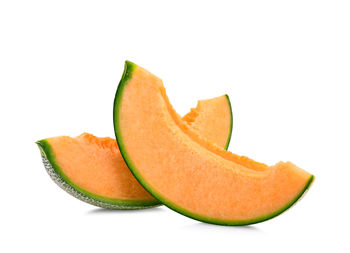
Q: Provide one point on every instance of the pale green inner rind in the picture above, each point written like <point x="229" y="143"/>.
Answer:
<point x="129" y="67"/>
<point x="46" y="150"/>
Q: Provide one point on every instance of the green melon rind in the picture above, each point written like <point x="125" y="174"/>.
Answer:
<point x="66" y="184"/>
<point x="231" y="122"/>
<point x="129" y="67"/>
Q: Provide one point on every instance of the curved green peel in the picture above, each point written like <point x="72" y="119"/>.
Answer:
<point x="231" y="122"/>
<point x="128" y="71"/>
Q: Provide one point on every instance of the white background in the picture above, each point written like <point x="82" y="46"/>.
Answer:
<point x="284" y="64"/>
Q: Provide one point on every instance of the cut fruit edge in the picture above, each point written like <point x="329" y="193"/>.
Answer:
<point x="127" y="75"/>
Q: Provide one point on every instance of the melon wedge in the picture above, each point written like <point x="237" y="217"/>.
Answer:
<point x="93" y="170"/>
<point x="188" y="173"/>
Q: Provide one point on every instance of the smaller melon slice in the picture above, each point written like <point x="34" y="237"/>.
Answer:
<point x="93" y="170"/>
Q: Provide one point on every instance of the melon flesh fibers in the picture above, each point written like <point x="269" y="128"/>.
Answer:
<point x="209" y="116"/>
<point x="187" y="172"/>
<point x="93" y="170"/>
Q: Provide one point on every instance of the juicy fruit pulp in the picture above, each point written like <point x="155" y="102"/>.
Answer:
<point x="93" y="170"/>
<point x="187" y="172"/>
<point x="212" y="118"/>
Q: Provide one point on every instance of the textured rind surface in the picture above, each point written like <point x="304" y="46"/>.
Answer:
<point x="51" y="169"/>
<point x="127" y="75"/>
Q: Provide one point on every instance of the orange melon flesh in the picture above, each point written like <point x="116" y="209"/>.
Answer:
<point x="187" y="172"/>
<point x="202" y="120"/>
<point x="95" y="164"/>
<point x="95" y="167"/>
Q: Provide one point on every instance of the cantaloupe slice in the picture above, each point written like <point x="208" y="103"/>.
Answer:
<point x="188" y="173"/>
<point x="93" y="170"/>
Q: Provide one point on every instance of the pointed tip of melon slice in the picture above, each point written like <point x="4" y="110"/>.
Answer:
<point x="129" y="66"/>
